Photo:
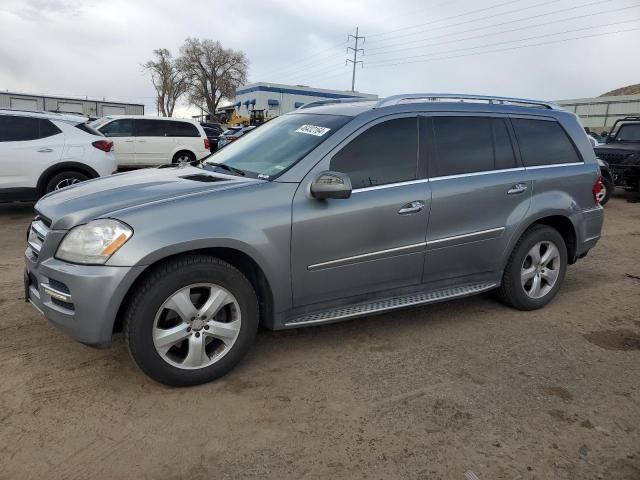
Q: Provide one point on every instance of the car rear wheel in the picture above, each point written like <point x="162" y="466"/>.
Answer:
<point x="184" y="157"/>
<point x="191" y="321"/>
<point x="535" y="270"/>
<point x="64" y="179"/>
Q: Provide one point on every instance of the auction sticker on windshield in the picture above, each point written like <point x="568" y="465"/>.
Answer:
<point x="313" y="130"/>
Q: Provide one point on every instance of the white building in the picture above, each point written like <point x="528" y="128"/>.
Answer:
<point x="277" y="99"/>
<point x="82" y="106"/>
<point x="600" y="113"/>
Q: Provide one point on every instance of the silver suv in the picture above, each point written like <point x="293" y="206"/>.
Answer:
<point x="335" y="211"/>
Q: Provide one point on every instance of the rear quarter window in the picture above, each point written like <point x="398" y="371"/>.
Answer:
<point x="544" y="142"/>
<point x="182" y="129"/>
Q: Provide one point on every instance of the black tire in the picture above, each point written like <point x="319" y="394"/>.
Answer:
<point x="69" y="177"/>
<point x="512" y="292"/>
<point x="183" y="156"/>
<point x="609" y="187"/>
<point x="157" y="287"/>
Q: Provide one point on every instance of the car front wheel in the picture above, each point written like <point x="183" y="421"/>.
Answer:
<point x="191" y="321"/>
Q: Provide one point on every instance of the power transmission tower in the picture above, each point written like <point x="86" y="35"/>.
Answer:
<point x="355" y="60"/>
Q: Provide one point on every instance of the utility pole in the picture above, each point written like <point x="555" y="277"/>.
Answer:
<point x="355" y="60"/>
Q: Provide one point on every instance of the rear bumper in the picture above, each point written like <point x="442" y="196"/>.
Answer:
<point x="590" y="229"/>
<point x="81" y="300"/>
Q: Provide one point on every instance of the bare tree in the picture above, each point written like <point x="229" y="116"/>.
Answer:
<point x="212" y="72"/>
<point x="168" y="80"/>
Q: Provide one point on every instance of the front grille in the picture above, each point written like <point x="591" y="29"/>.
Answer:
<point x="37" y="234"/>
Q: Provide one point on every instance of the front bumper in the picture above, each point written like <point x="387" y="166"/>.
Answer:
<point x="81" y="300"/>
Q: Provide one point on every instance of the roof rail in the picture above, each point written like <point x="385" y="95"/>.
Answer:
<point x="461" y="97"/>
<point x="319" y="103"/>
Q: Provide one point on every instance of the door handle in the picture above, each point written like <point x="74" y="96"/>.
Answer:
<point x="129" y="141"/>
<point x="517" y="188"/>
<point x="142" y="141"/>
<point x="412" y="207"/>
<point x="45" y="150"/>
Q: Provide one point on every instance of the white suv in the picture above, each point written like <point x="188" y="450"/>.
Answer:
<point x="145" y="141"/>
<point x="41" y="152"/>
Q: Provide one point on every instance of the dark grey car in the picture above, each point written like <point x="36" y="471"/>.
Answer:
<point x="334" y="211"/>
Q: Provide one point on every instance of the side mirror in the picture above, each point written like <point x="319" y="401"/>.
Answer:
<point x="331" y="185"/>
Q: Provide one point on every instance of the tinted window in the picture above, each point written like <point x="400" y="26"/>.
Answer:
<point x="463" y="145"/>
<point x="20" y="129"/>
<point x="385" y="153"/>
<point x="543" y="143"/>
<point x="629" y="133"/>
<point x="151" y="128"/>
<point x="118" y="128"/>
<point x="503" y="148"/>
<point x="181" y="129"/>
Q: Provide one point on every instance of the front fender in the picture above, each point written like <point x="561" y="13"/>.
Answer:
<point x="253" y="221"/>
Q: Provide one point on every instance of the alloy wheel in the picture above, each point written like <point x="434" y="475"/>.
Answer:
<point x="540" y="269"/>
<point x="196" y="326"/>
<point x="66" y="182"/>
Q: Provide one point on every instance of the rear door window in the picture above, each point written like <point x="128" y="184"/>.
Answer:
<point x="151" y="128"/>
<point x="118" y="128"/>
<point x="48" y="129"/>
<point x="544" y="142"/>
<point x="14" y="128"/>
<point x="466" y="145"/>
<point x="385" y="153"/>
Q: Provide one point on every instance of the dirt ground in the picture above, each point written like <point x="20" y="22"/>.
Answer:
<point x="442" y="392"/>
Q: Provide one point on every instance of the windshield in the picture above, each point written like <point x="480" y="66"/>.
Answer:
<point x="278" y="144"/>
<point x="629" y="133"/>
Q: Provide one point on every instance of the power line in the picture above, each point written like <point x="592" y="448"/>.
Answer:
<point x="500" y="24"/>
<point x="517" y="40"/>
<point x="412" y="12"/>
<point x="355" y="60"/>
<point x="517" y="47"/>
<point x="471" y="12"/>
<point x="473" y="20"/>
<point x="389" y="52"/>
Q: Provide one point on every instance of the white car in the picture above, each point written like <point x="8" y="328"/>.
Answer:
<point x="41" y="152"/>
<point x="593" y="140"/>
<point x="147" y="141"/>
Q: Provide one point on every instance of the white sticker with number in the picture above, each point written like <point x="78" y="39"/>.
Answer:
<point x="313" y="130"/>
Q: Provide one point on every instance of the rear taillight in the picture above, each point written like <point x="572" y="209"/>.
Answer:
<point x="596" y="189"/>
<point x="104" y="145"/>
<point x="207" y="145"/>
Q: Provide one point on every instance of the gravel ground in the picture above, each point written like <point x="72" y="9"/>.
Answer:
<point x="440" y="392"/>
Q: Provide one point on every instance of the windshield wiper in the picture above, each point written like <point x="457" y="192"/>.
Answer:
<point x="235" y="170"/>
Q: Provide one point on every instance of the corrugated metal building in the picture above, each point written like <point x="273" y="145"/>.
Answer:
<point x="277" y="99"/>
<point x="88" y="108"/>
<point x="601" y="112"/>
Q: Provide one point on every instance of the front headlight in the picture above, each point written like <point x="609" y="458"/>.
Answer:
<point x="94" y="243"/>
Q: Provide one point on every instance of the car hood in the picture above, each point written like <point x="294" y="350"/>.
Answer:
<point x="104" y="197"/>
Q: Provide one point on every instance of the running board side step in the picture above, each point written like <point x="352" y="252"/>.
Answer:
<point x="394" y="303"/>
